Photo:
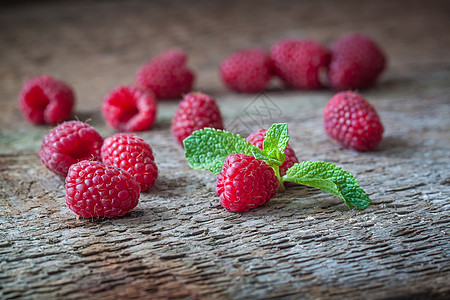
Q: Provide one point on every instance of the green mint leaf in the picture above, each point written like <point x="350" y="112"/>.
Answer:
<point x="207" y="148"/>
<point x="275" y="142"/>
<point x="270" y="161"/>
<point x="329" y="178"/>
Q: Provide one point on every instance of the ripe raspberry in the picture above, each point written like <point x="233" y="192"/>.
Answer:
<point x="298" y="62"/>
<point x="46" y="100"/>
<point x="68" y="143"/>
<point x="245" y="183"/>
<point x="166" y="75"/>
<point x="352" y="121"/>
<point x="356" y="63"/>
<point x="132" y="154"/>
<point x="196" y="111"/>
<point x="129" y="108"/>
<point x="257" y="139"/>
<point x="96" y="190"/>
<point x="246" y="71"/>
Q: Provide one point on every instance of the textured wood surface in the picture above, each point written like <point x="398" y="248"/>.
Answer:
<point x="178" y="242"/>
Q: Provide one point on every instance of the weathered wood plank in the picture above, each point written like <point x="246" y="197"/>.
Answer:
<point x="178" y="242"/>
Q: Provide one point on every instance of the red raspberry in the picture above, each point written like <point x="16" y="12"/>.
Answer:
<point x="46" y="100"/>
<point x="257" y="139"/>
<point x="196" y="111"/>
<point x="129" y="108"/>
<point x="96" y="190"/>
<point x="352" y="121"/>
<point x="298" y="62"/>
<point x="132" y="154"/>
<point x="68" y="143"/>
<point x="246" y="71"/>
<point x="166" y="75"/>
<point x="356" y="63"/>
<point x="245" y="183"/>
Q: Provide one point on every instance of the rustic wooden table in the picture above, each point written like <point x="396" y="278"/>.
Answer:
<point x="178" y="243"/>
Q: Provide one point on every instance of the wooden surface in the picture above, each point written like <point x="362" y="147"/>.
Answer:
<point x="178" y="243"/>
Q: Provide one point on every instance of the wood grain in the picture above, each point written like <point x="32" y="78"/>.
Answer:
<point x="178" y="243"/>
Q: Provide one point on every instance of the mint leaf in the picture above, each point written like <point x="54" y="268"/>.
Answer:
<point x="275" y="142"/>
<point x="207" y="148"/>
<point x="329" y="178"/>
<point x="273" y="162"/>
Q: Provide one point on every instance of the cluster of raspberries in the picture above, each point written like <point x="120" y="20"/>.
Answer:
<point x="103" y="178"/>
<point x="127" y="108"/>
<point x="352" y="62"/>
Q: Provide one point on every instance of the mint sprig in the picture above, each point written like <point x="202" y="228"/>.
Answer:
<point x="207" y="149"/>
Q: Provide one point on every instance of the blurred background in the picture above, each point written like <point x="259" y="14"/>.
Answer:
<point x="97" y="45"/>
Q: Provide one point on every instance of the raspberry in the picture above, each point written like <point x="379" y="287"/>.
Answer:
<point x="356" y="63"/>
<point x="68" y="143"/>
<point x="352" y="121"/>
<point x="245" y="183"/>
<point x="196" y="111"/>
<point x="96" y="190"/>
<point x="298" y="62"/>
<point x="129" y="108"/>
<point x="246" y="71"/>
<point x="257" y="139"/>
<point x="44" y="100"/>
<point x="132" y="154"/>
<point x="166" y="75"/>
